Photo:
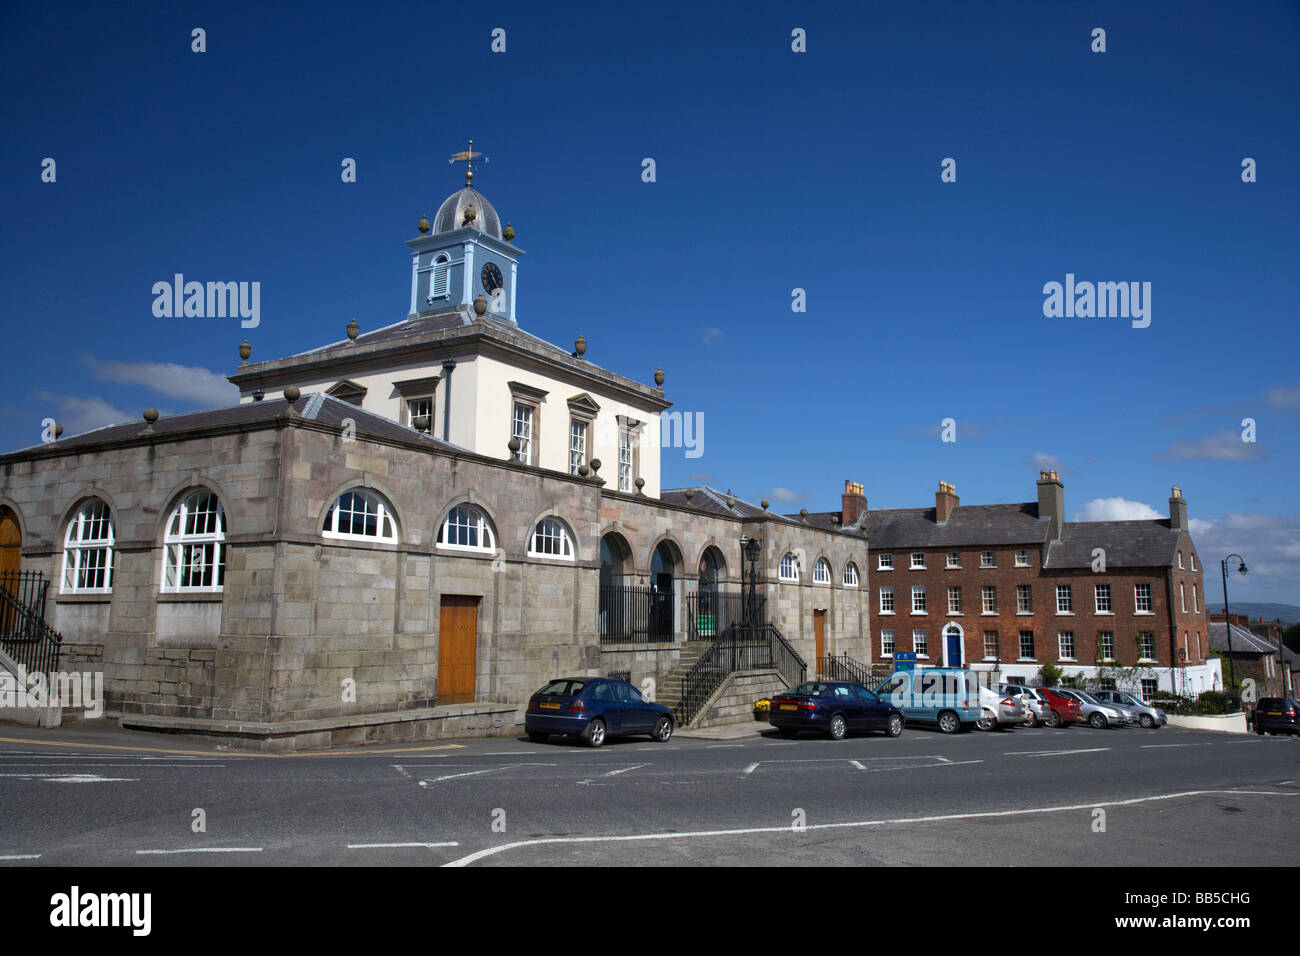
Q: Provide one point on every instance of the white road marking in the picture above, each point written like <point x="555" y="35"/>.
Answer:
<point x="475" y="773"/>
<point x="857" y="824"/>
<point x="752" y="767"/>
<point x="1053" y="753"/>
<point x="388" y="846"/>
<point x="615" y="773"/>
<point x="721" y="746"/>
<point x="1155" y="746"/>
<point x="503" y="753"/>
<point x="202" y="849"/>
<point x="71" y="778"/>
<point x="21" y="856"/>
<point x="924" y="766"/>
<point x="858" y="765"/>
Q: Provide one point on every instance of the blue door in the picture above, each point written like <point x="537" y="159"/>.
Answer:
<point x="954" y="648"/>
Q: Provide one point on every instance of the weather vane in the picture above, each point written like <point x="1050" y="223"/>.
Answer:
<point x="469" y="156"/>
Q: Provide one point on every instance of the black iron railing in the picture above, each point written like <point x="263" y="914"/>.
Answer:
<point x="620" y="675"/>
<point x="24" y="634"/>
<point x="631" y="615"/>
<point x="710" y="613"/>
<point x="842" y="667"/>
<point x="741" y="648"/>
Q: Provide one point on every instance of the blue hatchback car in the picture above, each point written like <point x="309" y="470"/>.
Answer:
<point x="594" y="709"/>
<point x="834" y="708"/>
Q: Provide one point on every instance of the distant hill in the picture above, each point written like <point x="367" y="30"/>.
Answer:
<point x="1289" y="613"/>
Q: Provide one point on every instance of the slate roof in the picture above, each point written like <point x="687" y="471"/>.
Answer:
<point x="1128" y="544"/>
<point x="1243" y="640"/>
<point x="315" y="406"/>
<point x="967" y="525"/>
<point x="715" y="502"/>
<point x="442" y="320"/>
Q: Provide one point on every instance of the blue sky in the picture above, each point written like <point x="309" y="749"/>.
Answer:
<point x="775" y="170"/>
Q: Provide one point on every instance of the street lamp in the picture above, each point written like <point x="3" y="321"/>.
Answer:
<point x="1227" y="618"/>
<point x="749" y="550"/>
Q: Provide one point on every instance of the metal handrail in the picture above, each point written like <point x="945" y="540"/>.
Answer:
<point x="24" y="633"/>
<point x="741" y="648"/>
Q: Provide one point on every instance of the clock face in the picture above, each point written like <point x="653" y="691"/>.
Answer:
<point x="491" y="277"/>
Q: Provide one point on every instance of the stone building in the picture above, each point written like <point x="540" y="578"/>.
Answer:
<point x="404" y="533"/>
<point x="1006" y="588"/>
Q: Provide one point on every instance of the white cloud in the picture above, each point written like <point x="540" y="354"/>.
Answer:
<point x="1044" y="461"/>
<point x="786" y="496"/>
<point x="1284" y="397"/>
<point x="712" y="334"/>
<point x="78" y="415"/>
<point x="1221" y="446"/>
<point x="1198" y="526"/>
<point x="189" y="383"/>
<point x="1116" y="509"/>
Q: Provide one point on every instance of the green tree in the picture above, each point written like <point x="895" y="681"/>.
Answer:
<point x="1050" y="675"/>
<point x="1291" y="637"/>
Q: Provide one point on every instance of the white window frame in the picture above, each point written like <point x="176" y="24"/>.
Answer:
<point x="952" y="559"/>
<point x="920" y="643"/>
<point x="476" y="522"/>
<point x="954" y="599"/>
<point x="822" y="571"/>
<point x="989" y="599"/>
<point x="524" y="427"/>
<point x="1022" y="558"/>
<point x="885" y="561"/>
<point x="1024" y="599"/>
<point x="1145" y="640"/>
<point x="1065" y="645"/>
<point x="788" y="571"/>
<point x="886" y="597"/>
<point x="917" y="561"/>
<point x="579" y="429"/>
<point x="887" y="642"/>
<point x="996" y="645"/>
<point x="1196" y="602"/>
<point x="1065" y="606"/>
<point x="384" y="518"/>
<point x="1149" y="687"/>
<point x="1020" y="646"/>
<point x="918" y="599"/>
<point x="1100" y="591"/>
<point x="85" y="556"/>
<point x="180" y="546"/>
<point x="1180" y="559"/>
<point x="1182" y="597"/>
<point x="1138" y="600"/>
<point x="412" y="414"/>
<point x="1192" y="555"/>
<point x="851" y="578"/>
<point x="551" y="538"/>
<point x="1106" y="645"/>
<point x="988" y="559"/>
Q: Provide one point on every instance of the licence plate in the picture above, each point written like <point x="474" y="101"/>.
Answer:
<point x="789" y="707"/>
<point x="548" y="706"/>
<point x="1273" y="713"/>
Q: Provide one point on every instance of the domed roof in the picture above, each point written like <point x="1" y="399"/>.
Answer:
<point x="451" y="214"/>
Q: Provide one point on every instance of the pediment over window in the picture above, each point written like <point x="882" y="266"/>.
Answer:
<point x="349" y="391"/>
<point x="530" y="393"/>
<point x="415" y="387"/>
<point x="583" y="404"/>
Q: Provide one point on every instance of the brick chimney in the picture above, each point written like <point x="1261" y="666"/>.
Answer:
<point x="1051" y="501"/>
<point x="1178" y="510"/>
<point x="945" y="499"/>
<point x="853" y="504"/>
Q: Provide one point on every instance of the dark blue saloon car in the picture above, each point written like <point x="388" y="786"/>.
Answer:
<point x="594" y="709"/>
<point x="834" y="708"/>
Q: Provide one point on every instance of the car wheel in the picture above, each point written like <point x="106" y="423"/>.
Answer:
<point x="949" y="722"/>
<point x="595" y="733"/>
<point x="1098" y="720"/>
<point x="663" y="728"/>
<point x="1146" y="721"/>
<point x="1033" y="721"/>
<point x="537" y="738"/>
<point x="895" y="728"/>
<point x="838" y="727"/>
<point x="986" y="723"/>
<point x="1053" y="719"/>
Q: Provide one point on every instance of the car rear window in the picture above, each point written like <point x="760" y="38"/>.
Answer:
<point x="563" y="688"/>
<point x="810" y="690"/>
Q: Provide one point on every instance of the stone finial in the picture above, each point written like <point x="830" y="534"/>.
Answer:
<point x="421" y="423"/>
<point x="640" y="483"/>
<point x="470" y="216"/>
<point x="690" y="493"/>
<point x="292" y="394"/>
<point x="508" y="233"/>
<point x="659" y="379"/>
<point x="514" y="445"/>
<point x="58" y="430"/>
<point x="595" y="466"/>
<point x="245" y="350"/>
<point x="150" y="416"/>
<point x="423" y="225"/>
<point x="803" y="514"/>
<point x="580" y="346"/>
<point x="353" y="330"/>
<point x="765" y="503"/>
<point x="584" y="470"/>
<point x="480" y="306"/>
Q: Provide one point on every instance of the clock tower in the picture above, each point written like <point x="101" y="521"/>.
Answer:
<point x="463" y="254"/>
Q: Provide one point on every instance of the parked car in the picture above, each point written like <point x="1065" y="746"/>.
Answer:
<point x="947" y="697"/>
<point x="1001" y="710"/>
<point x="1039" y="708"/>
<point x="1095" y="712"/>
<point x="835" y="708"/>
<point x="594" y="709"/>
<point x="1146" y="715"/>
<point x="1064" y="711"/>
<point x="1277" y="715"/>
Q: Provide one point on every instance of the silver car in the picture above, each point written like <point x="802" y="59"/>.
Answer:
<point x="1039" y="709"/>
<point x="1001" y="710"/>
<point x="1098" y="714"/>
<point x="1147" y="716"/>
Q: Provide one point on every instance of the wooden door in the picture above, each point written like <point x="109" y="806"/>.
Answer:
<point x="11" y="542"/>
<point x="819" y="633"/>
<point x="457" y="647"/>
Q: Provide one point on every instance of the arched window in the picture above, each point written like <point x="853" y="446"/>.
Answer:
<point x="360" y="514"/>
<point x="194" y="545"/>
<point x="788" y="572"/>
<point x="822" y="572"/>
<point x="850" y="575"/>
<point x="466" y="528"/>
<point x="88" y="550"/>
<point x="438" y="277"/>
<point x="550" y="539"/>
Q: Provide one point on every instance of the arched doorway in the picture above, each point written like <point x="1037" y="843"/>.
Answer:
<point x="709" y="611"/>
<point x="665" y="569"/>
<point x="952" y="645"/>
<point x="11" y="547"/>
<point x="616" y="613"/>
